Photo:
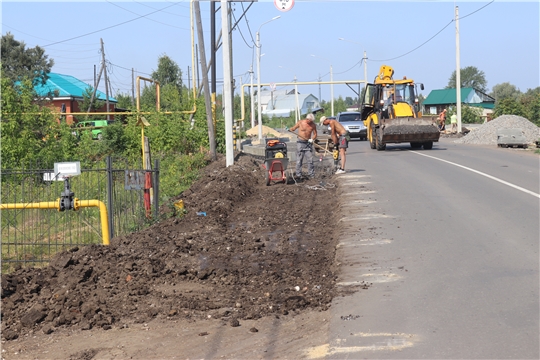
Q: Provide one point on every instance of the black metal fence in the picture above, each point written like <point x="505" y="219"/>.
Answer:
<point x="32" y="236"/>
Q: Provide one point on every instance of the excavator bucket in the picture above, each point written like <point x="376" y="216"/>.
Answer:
<point x="408" y="129"/>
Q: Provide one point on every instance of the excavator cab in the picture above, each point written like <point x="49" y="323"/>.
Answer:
<point x="391" y="113"/>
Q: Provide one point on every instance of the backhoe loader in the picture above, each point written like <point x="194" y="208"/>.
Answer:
<point x="391" y="113"/>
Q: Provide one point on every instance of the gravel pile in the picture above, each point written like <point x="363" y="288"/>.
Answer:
<point x="487" y="133"/>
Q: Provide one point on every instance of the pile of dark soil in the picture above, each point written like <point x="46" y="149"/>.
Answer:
<point x="259" y="250"/>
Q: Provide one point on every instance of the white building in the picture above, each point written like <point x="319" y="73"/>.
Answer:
<point x="283" y="103"/>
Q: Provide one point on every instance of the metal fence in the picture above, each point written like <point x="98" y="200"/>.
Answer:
<point x="33" y="236"/>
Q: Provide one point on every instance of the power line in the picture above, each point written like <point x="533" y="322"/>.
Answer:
<point x="159" y="22"/>
<point x="110" y="27"/>
<point x="419" y="46"/>
<point x="242" y="35"/>
<point x="247" y="24"/>
<point x="121" y="67"/>
<point x="431" y="38"/>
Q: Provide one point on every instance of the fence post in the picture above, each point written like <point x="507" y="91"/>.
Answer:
<point x="110" y="185"/>
<point x="156" y="189"/>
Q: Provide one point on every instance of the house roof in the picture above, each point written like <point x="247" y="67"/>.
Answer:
<point x="446" y="96"/>
<point x="67" y="86"/>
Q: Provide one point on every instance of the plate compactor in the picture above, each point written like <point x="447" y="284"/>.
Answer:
<point x="276" y="161"/>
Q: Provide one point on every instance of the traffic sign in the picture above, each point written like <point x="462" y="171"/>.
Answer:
<point x="284" y="5"/>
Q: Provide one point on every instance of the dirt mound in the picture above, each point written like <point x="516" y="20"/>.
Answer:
<point x="259" y="250"/>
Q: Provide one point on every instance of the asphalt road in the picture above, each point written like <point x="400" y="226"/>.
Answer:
<point x="446" y="242"/>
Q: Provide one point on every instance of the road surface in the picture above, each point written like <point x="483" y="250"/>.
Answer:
<point x="446" y="241"/>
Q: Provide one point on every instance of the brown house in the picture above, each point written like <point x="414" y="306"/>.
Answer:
<point x="66" y="92"/>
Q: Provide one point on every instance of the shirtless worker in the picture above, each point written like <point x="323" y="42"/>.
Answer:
<point x="304" y="144"/>
<point x="340" y="137"/>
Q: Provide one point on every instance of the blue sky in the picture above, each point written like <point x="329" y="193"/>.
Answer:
<point x="416" y="38"/>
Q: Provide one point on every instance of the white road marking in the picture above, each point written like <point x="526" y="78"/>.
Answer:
<point x="366" y="217"/>
<point x="383" y="277"/>
<point x="364" y="242"/>
<point x="346" y="176"/>
<point x="483" y="174"/>
<point x="379" y="342"/>
<point x="354" y="182"/>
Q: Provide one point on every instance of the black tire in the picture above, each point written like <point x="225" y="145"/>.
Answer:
<point x="416" y="145"/>
<point x="267" y="177"/>
<point x="378" y="143"/>
<point x="428" y="145"/>
<point x="372" y="142"/>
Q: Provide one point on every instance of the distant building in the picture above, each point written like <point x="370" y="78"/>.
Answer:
<point x="282" y="103"/>
<point x="438" y="100"/>
<point x="66" y="91"/>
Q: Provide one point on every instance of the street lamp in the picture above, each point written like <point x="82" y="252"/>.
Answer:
<point x="364" y="58"/>
<point x="258" y="45"/>
<point x="331" y="82"/>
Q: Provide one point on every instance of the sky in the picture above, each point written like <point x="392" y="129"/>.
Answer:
<point x="417" y="39"/>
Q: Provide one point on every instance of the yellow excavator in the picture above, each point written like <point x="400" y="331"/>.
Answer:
<point x="391" y="113"/>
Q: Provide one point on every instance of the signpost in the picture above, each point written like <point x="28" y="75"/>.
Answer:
<point x="284" y="5"/>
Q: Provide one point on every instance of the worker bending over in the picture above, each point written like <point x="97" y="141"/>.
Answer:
<point x="304" y="144"/>
<point x="340" y="137"/>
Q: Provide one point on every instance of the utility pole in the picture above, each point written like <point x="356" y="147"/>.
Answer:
<point x="188" y="81"/>
<point x="227" y="84"/>
<point x="213" y="46"/>
<point x="196" y="79"/>
<point x="229" y="34"/>
<point x="207" y="100"/>
<point x="458" y="74"/>
<point x="106" y="79"/>
<point x="365" y="69"/>
<point x="320" y="96"/>
<point x="132" y="87"/>
<point x="252" y="102"/>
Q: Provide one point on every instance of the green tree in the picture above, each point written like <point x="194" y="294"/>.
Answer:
<point x="29" y="135"/>
<point x="168" y="72"/>
<point x="20" y="63"/>
<point x="508" y="106"/>
<point x="531" y="102"/>
<point x="125" y="101"/>
<point x="470" y="77"/>
<point x="505" y="90"/>
<point x="85" y="104"/>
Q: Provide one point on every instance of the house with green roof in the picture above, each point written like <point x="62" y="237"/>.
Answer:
<point x="438" y="100"/>
<point x="66" y="91"/>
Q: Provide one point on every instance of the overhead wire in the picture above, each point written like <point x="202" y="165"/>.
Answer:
<point x="431" y="38"/>
<point x="247" y="24"/>
<point x="159" y="22"/>
<point x="242" y="35"/>
<point x="110" y="27"/>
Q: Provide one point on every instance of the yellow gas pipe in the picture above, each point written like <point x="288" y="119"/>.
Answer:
<point x="77" y="204"/>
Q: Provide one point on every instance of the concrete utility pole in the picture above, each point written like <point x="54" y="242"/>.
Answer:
<point x="298" y="115"/>
<point x="132" y="87"/>
<point x="207" y="100"/>
<point x="320" y="95"/>
<point x="365" y="68"/>
<point x="106" y="79"/>
<point x="259" y="116"/>
<point x="227" y="87"/>
<point x="252" y="102"/>
<point x="458" y="74"/>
